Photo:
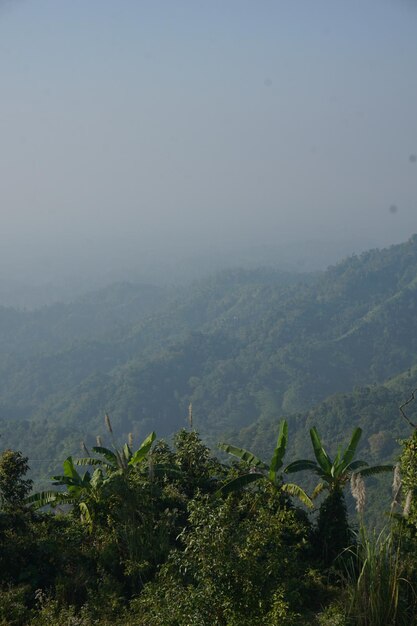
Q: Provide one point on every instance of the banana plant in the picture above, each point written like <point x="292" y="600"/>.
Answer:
<point x="335" y="473"/>
<point x="264" y="471"/>
<point x="77" y="487"/>
<point x="119" y="460"/>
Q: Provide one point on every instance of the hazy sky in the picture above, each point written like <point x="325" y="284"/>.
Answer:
<point x="147" y="125"/>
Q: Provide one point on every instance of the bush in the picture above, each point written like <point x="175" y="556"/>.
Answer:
<point x="13" y="610"/>
<point x="242" y="563"/>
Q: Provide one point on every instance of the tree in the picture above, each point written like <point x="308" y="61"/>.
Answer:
<point x="263" y="471"/>
<point x="333" y="534"/>
<point x="119" y="462"/>
<point x="240" y="562"/>
<point x="14" y="487"/>
<point x="334" y="474"/>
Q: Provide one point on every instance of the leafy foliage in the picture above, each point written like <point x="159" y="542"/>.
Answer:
<point x="13" y="484"/>
<point x="149" y="542"/>
<point x="239" y="564"/>
<point x="255" y="475"/>
<point x="335" y="473"/>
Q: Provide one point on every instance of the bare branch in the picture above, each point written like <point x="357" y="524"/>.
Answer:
<point x="406" y="403"/>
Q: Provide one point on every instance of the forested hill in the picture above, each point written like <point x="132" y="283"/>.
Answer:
<point x="242" y="346"/>
<point x="94" y="315"/>
<point x="375" y="408"/>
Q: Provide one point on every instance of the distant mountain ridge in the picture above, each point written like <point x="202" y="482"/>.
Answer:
<point x="64" y="275"/>
<point x="244" y="346"/>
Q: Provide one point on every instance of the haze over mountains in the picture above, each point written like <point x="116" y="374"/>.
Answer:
<point x="60" y="277"/>
<point x="244" y="346"/>
<point x="146" y="142"/>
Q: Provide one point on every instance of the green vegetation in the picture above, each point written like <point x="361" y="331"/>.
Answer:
<point x="258" y="469"/>
<point x="332" y="532"/>
<point x="164" y="533"/>
<point x="242" y="346"/>
<point x="159" y="536"/>
<point x="378" y="589"/>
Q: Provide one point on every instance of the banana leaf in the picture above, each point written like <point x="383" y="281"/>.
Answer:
<point x="351" y="449"/>
<point x="142" y="452"/>
<point x="376" y="469"/>
<point x="108" y="454"/>
<point x="298" y="492"/>
<point x="279" y="452"/>
<point x="238" y="483"/>
<point x="244" y="455"/>
<point x="319" y="452"/>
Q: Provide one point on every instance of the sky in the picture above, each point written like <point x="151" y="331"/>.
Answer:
<point x="148" y="129"/>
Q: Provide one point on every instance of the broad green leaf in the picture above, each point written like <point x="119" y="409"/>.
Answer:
<point x="121" y="461"/>
<point x="317" y="490"/>
<point x="43" y="498"/>
<point x="302" y="465"/>
<point x="244" y="455"/>
<point x="127" y="452"/>
<point x="74" y="487"/>
<point x="65" y="480"/>
<point x="337" y="457"/>
<point x="91" y="461"/>
<point x="97" y="478"/>
<point x="70" y="471"/>
<point x="319" y="452"/>
<point x="239" y="483"/>
<point x="376" y="469"/>
<point x="73" y="481"/>
<point x="295" y="490"/>
<point x="143" y="450"/>
<point x="86" y="479"/>
<point x="86" y="516"/>
<point x="148" y="441"/>
<point x="355" y="465"/>
<point x="108" y="454"/>
<point x="279" y="452"/>
<point x="351" y="449"/>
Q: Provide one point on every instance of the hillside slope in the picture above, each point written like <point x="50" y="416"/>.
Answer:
<point x="242" y="346"/>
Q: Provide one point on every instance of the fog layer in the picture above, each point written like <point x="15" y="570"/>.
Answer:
<point x="136" y="134"/>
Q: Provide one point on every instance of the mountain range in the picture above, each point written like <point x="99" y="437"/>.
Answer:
<point x="336" y="348"/>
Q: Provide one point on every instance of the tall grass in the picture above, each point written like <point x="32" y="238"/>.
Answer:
<point x="378" y="592"/>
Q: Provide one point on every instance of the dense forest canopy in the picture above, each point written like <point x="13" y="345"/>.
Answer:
<point x="169" y="536"/>
<point x="244" y="347"/>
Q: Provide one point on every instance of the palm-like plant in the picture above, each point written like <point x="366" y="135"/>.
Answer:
<point x="333" y="533"/>
<point x="334" y="474"/>
<point x="77" y="488"/>
<point x="264" y="471"/>
<point x="87" y="487"/>
<point x="119" y="460"/>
